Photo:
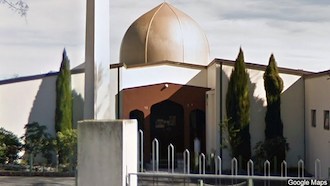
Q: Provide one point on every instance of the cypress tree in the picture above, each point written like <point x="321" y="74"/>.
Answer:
<point x="63" y="112"/>
<point x="274" y="125"/>
<point x="273" y="86"/>
<point x="238" y="111"/>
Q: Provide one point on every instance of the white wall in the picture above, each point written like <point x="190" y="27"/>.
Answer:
<point x="292" y="99"/>
<point x="97" y="60"/>
<point x="317" y="138"/>
<point x="212" y="128"/>
<point x="292" y="111"/>
<point x="212" y="116"/>
<point x="135" y="77"/>
<point x="27" y="101"/>
<point x="212" y="76"/>
<point x="17" y="103"/>
<point x="149" y="75"/>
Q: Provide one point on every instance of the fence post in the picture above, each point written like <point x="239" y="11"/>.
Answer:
<point x="250" y="168"/>
<point x="186" y="162"/>
<point x="233" y="169"/>
<point x="267" y="168"/>
<point x="170" y="157"/>
<point x="141" y="149"/>
<point x="317" y="169"/>
<point x="284" y="169"/>
<point x="201" y="161"/>
<point x="234" y="166"/>
<point x="266" y="171"/>
<point x="155" y="155"/>
<point x="128" y="180"/>
<point x="218" y="165"/>
<point x="301" y="168"/>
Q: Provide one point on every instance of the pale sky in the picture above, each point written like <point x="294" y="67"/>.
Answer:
<point x="296" y="31"/>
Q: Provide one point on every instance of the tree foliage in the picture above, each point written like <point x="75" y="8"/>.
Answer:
<point x="274" y="87"/>
<point x="268" y="150"/>
<point x="10" y="146"/>
<point x="63" y="112"/>
<point x="37" y="140"/>
<point x="18" y="6"/>
<point x="238" y="110"/>
<point x="67" y="142"/>
<point x="274" y="126"/>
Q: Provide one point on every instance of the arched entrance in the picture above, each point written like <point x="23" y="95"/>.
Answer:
<point x="167" y="122"/>
<point x="139" y="116"/>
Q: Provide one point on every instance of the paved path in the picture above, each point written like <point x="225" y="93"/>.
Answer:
<point x="36" y="181"/>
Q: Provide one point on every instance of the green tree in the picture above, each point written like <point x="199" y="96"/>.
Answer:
<point x="10" y="146"/>
<point x="274" y="86"/>
<point x="67" y="142"/>
<point x="36" y="141"/>
<point x="238" y="111"/>
<point x="63" y="112"/>
<point x="274" y="126"/>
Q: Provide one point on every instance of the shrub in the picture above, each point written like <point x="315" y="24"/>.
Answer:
<point x="10" y="146"/>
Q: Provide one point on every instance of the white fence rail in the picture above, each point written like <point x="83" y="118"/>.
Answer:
<point x="216" y="171"/>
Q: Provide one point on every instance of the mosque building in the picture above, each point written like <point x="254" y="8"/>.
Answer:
<point x="166" y="81"/>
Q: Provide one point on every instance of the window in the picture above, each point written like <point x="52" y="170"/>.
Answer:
<point x="313" y="118"/>
<point x="326" y="119"/>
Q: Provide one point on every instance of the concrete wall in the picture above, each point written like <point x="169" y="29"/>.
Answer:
<point x="33" y="100"/>
<point x="317" y="138"/>
<point x="107" y="152"/>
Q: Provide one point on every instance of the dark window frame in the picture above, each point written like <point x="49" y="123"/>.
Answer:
<point x="326" y="114"/>
<point x="313" y="117"/>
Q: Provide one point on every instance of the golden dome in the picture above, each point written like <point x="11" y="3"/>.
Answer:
<point x="164" y="34"/>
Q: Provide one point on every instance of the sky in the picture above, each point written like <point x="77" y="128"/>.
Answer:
<point x="296" y="31"/>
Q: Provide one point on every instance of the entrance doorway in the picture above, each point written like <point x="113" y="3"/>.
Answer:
<point x="139" y="116"/>
<point x="166" y="124"/>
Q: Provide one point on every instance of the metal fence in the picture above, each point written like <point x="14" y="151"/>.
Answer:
<point x="215" y="175"/>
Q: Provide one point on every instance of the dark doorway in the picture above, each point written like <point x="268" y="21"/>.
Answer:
<point x="197" y="129"/>
<point x="167" y="126"/>
<point x="139" y="116"/>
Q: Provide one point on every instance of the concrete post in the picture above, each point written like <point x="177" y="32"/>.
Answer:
<point x="107" y="152"/>
<point x="97" y="59"/>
